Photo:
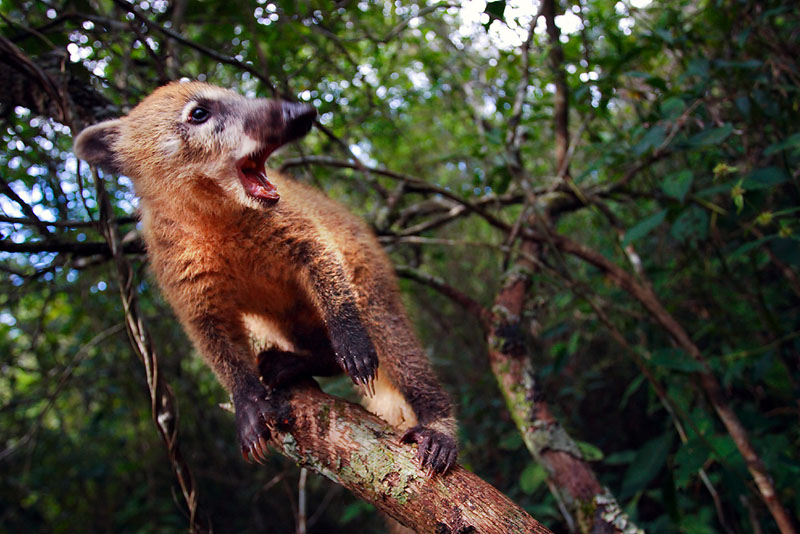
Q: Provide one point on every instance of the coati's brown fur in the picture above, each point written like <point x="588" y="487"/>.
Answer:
<point x="299" y="272"/>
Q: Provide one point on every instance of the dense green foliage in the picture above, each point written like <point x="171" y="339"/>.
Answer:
<point x="685" y="124"/>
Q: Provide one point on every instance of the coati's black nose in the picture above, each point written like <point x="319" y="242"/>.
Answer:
<point x="277" y="122"/>
<point x="297" y="120"/>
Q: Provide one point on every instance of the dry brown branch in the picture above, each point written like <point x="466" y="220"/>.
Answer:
<point x="457" y="296"/>
<point x="62" y="224"/>
<point x="412" y="184"/>
<point x="25" y="207"/>
<point x="70" y="247"/>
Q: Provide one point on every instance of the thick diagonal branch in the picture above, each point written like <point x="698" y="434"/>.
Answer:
<point x="359" y="451"/>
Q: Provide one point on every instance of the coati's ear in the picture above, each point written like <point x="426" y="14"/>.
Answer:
<point x="95" y="145"/>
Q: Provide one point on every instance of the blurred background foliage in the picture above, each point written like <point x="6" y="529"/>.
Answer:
<point x="684" y="121"/>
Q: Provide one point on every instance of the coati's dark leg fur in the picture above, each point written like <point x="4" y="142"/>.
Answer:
<point x="223" y="340"/>
<point x="278" y="368"/>
<point x="323" y="274"/>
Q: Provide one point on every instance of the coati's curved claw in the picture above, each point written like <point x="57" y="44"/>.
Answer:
<point x="255" y="410"/>
<point x="370" y="389"/>
<point x="257" y="455"/>
<point x="354" y="350"/>
<point x="436" y="451"/>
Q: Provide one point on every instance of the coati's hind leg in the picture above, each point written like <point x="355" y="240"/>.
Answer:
<point x="313" y="356"/>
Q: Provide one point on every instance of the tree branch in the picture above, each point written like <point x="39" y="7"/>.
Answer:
<point x="72" y="247"/>
<point x="63" y="224"/>
<point x="361" y="452"/>
<point x="572" y="479"/>
<point x="462" y="299"/>
<point x="413" y="184"/>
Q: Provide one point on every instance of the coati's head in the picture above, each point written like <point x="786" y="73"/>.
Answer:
<point x="192" y="139"/>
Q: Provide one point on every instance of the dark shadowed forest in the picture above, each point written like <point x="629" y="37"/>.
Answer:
<point x="592" y="207"/>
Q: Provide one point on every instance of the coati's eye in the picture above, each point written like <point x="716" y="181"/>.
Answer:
<point x="199" y="115"/>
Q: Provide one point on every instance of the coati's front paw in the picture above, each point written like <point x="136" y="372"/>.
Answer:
<point x="437" y="452"/>
<point x="355" y="354"/>
<point x="258" y="410"/>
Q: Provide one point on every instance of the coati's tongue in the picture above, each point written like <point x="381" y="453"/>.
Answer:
<point x="253" y="176"/>
<point x="257" y="185"/>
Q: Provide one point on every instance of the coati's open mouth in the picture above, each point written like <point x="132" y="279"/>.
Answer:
<point x="253" y="175"/>
<point x="275" y="123"/>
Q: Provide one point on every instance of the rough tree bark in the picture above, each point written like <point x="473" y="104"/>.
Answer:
<point x="593" y="507"/>
<point x="362" y="453"/>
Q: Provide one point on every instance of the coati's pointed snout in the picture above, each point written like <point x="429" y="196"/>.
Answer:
<point x="278" y="122"/>
<point x="298" y="119"/>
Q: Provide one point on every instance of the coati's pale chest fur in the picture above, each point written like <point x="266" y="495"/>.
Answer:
<point x="240" y="253"/>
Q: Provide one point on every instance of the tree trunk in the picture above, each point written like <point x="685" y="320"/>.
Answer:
<point x="571" y="478"/>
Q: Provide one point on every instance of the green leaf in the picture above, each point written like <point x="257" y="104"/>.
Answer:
<point x="675" y="359"/>
<point x="748" y="64"/>
<point x="495" y="136"/>
<point x="645" y="466"/>
<point x="723" y="447"/>
<point x="637" y="74"/>
<point x="764" y="178"/>
<point x="747" y="247"/>
<point x="690" y="225"/>
<point x="354" y="510"/>
<point x="495" y="9"/>
<point x="532" y="477"/>
<point x="652" y="139"/>
<point x="712" y="136"/>
<point x="620" y="458"/>
<point x="676" y="185"/>
<point x="590" y="452"/>
<point x="511" y="441"/>
<point x="789" y="142"/>
<point x="672" y="107"/>
<point x="631" y="389"/>
<point x="697" y="524"/>
<point x="698" y="67"/>
<point x="689" y="459"/>
<point x="665" y="34"/>
<point x="743" y="104"/>
<point x="644" y="227"/>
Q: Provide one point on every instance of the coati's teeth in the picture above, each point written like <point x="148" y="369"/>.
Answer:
<point x="253" y="176"/>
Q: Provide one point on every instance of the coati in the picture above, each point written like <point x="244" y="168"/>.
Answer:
<point x="240" y="252"/>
